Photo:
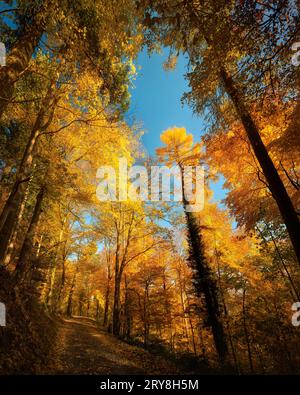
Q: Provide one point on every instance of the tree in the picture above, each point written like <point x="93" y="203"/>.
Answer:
<point x="85" y="33"/>
<point x="179" y="148"/>
<point x="32" y="22"/>
<point x="198" y="29"/>
<point x="128" y="233"/>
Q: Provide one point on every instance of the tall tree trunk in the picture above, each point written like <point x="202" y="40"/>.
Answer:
<point x="106" y="306"/>
<point x="49" y="294"/>
<point x="127" y="313"/>
<point x="204" y="354"/>
<point x="270" y="172"/>
<point x="9" y="213"/>
<point x="246" y="333"/>
<point x="6" y="236"/>
<point x="70" y="297"/>
<point x="88" y="307"/>
<point x="206" y="285"/>
<point x="97" y="310"/>
<point x="116" y="306"/>
<point x="192" y="335"/>
<point x="187" y="321"/>
<point x="192" y="330"/>
<point x="7" y="255"/>
<point x="107" y="295"/>
<point x="168" y="314"/>
<point x="203" y="279"/>
<point x="226" y="315"/>
<point x="80" y="308"/>
<point x="61" y="284"/>
<point x="21" y="53"/>
<point x="23" y="266"/>
<point x="52" y="270"/>
<point x="117" y="290"/>
<point x="146" y="314"/>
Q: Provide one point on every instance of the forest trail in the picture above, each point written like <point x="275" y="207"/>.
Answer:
<point x="86" y="348"/>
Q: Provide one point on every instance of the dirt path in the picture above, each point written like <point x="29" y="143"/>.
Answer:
<point x="85" y="348"/>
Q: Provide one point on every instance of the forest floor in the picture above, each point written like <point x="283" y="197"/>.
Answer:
<point x="84" y="347"/>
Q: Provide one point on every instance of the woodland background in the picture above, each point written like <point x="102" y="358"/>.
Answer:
<point x="211" y="289"/>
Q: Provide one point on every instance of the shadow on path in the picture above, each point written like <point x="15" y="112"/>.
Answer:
<point x="86" y="348"/>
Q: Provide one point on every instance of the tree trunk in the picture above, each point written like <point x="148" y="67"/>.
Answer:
<point x="247" y="334"/>
<point x="186" y="320"/>
<point x="146" y="315"/>
<point x="70" y="297"/>
<point x="49" y="295"/>
<point x="117" y="290"/>
<point x="97" y="310"/>
<point x="61" y="285"/>
<point x="23" y="266"/>
<point x="191" y="325"/>
<point x="88" y="307"/>
<point x="116" y="307"/>
<point x="6" y="236"/>
<point x="226" y="314"/>
<point x="7" y="255"/>
<point x="107" y="296"/>
<point x="203" y="279"/>
<point x="53" y="267"/>
<point x="270" y="172"/>
<point x="127" y="313"/>
<point x="106" y="306"/>
<point x="9" y="213"/>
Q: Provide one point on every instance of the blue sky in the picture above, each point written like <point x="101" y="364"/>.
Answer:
<point x="156" y="103"/>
